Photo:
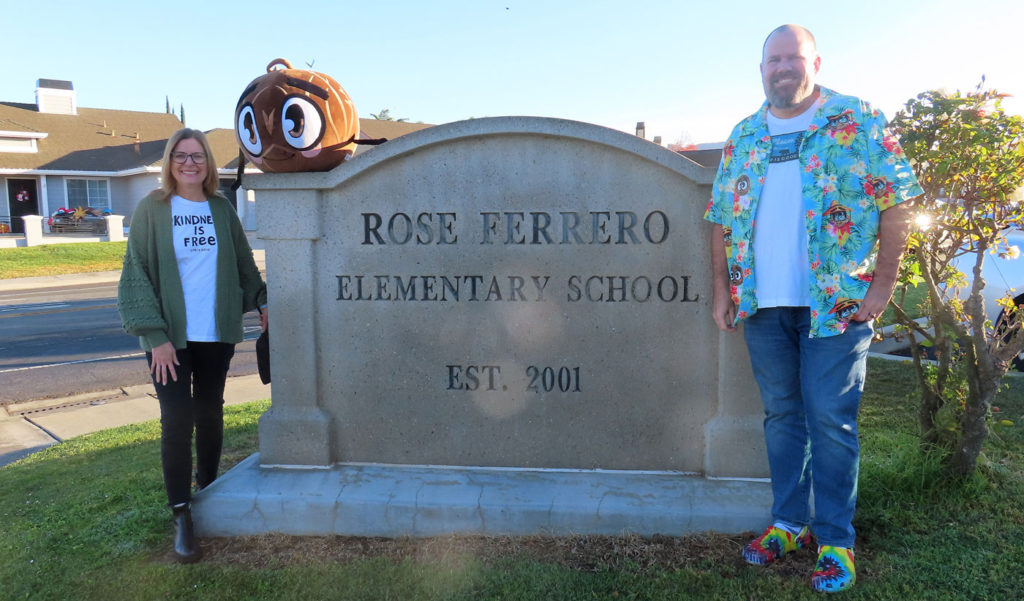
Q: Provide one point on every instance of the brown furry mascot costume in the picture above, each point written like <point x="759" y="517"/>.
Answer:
<point x="295" y="120"/>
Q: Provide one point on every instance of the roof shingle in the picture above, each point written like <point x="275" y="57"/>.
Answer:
<point x="92" y="140"/>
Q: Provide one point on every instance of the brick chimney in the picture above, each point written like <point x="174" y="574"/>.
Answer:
<point x="56" y="96"/>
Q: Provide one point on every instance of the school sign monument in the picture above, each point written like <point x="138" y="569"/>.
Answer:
<point x="496" y="326"/>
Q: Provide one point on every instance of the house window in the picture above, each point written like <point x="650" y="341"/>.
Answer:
<point x="88" y="193"/>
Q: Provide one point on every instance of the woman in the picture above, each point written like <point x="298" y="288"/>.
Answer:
<point x="188" y="277"/>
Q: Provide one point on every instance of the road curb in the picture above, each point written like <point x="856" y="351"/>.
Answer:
<point x="57" y="281"/>
<point x="30" y="426"/>
<point x="25" y="408"/>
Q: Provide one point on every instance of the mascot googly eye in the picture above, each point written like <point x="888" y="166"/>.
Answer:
<point x="295" y="120"/>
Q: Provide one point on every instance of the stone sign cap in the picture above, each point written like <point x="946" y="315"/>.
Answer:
<point x="450" y="133"/>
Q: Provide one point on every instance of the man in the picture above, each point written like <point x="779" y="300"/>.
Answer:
<point x="810" y="224"/>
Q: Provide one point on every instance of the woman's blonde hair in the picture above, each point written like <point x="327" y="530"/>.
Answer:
<point x="169" y="185"/>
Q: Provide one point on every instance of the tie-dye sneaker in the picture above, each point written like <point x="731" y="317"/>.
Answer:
<point x="773" y="544"/>
<point x="834" y="571"/>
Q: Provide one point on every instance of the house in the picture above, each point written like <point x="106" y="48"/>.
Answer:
<point x="56" y="154"/>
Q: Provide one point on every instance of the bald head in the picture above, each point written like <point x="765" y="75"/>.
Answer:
<point x="789" y="65"/>
<point x="797" y="30"/>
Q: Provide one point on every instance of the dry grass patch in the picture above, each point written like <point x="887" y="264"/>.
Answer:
<point x="585" y="553"/>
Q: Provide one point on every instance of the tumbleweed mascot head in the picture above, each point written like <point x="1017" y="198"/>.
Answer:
<point x="295" y="120"/>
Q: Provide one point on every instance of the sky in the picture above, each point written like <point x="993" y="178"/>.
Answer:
<point x="688" y="70"/>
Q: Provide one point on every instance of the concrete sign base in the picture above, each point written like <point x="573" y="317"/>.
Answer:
<point x="421" y="501"/>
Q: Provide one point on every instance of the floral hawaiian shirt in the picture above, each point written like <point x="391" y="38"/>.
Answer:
<point x="852" y="169"/>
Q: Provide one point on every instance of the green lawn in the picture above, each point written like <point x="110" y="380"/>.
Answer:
<point x="85" y="520"/>
<point x="56" y="259"/>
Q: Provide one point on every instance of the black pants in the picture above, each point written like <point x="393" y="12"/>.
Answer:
<point x="194" y="401"/>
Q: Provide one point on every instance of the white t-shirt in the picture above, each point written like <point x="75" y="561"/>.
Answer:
<point x="780" y="233"/>
<point x="195" y="247"/>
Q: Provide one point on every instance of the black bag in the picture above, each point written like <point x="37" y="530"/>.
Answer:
<point x="263" y="356"/>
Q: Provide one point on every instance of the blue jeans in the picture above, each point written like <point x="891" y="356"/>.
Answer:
<point x="811" y="389"/>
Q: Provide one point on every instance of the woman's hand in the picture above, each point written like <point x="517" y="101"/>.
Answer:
<point x="264" y="319"/>
<point x="163" y="362"/>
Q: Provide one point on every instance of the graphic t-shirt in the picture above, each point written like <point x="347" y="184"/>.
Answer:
<point x="780" y="234"/>
<point x="195" y="247"/>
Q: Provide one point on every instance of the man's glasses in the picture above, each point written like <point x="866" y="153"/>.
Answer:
<point x="199" y="158"/>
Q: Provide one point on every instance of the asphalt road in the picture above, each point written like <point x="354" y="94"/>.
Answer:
<point x="57" y="342"/>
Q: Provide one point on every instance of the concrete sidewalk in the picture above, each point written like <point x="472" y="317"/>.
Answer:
<point x="31" y="426"/>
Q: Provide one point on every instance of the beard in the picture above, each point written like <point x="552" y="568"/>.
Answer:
<point x="789" y="95"/>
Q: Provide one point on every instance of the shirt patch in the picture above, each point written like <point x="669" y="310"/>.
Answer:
<point x="786" y="147"/>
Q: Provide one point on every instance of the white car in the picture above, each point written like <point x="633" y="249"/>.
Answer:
<point x="1005" y="275"/>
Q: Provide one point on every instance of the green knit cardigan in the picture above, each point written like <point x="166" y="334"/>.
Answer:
<point x="150" y="299"/>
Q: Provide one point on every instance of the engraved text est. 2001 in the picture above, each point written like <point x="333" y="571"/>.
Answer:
<point x="470" y="378"/>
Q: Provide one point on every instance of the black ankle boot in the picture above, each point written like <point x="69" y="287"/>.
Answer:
<point x="186" y="549"/>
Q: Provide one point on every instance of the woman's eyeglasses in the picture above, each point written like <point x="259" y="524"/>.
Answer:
<point x="199" y="158"/>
